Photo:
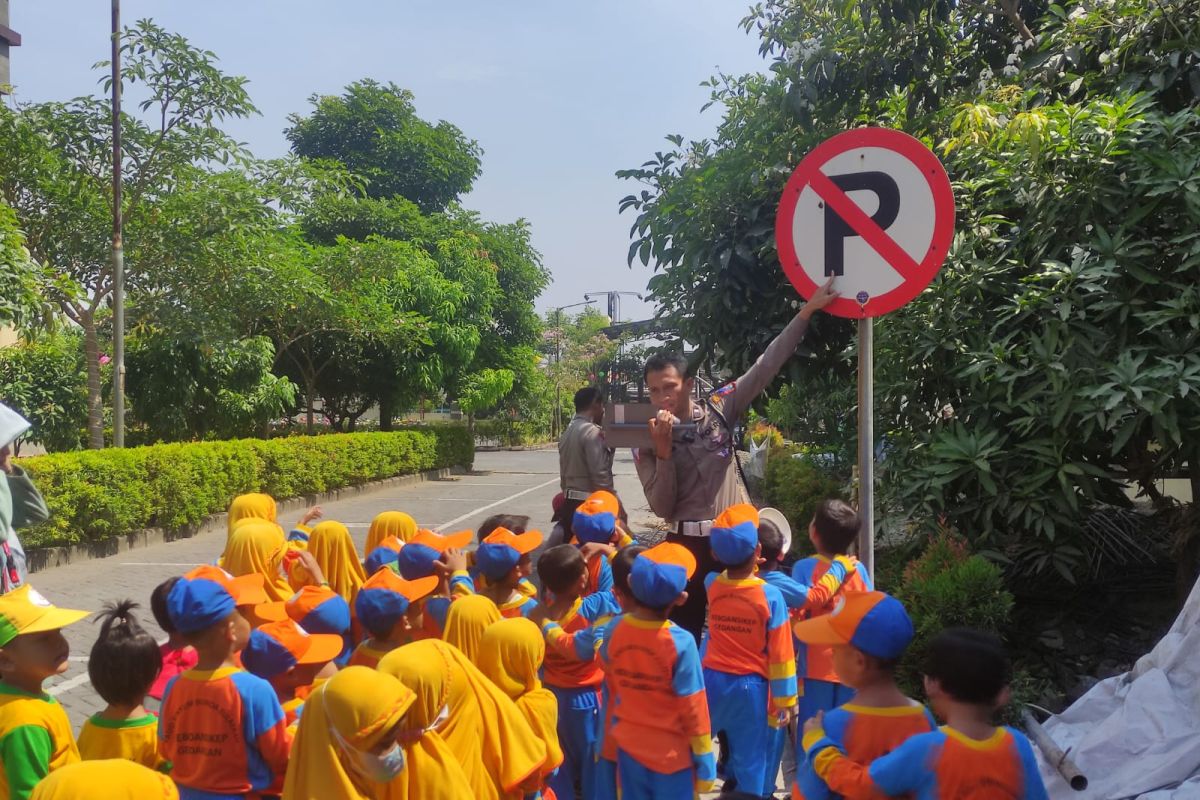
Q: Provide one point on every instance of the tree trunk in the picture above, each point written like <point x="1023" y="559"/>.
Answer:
<point x="91" y="355"/>
<point x="386" y="412"/>
<point x="310" y="393"/>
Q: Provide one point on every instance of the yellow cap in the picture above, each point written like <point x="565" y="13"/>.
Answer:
<point x="23" y="611"/>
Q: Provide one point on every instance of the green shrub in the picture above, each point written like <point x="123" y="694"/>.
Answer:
<point x="99" y="494"/>
<point x="949" y="587"/>
<point x="796" y="486"/>
<point x="510" y="432"/>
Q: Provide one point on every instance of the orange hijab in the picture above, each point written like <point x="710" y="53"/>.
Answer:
<point x="390" y="523"/>
<point x="332" y="547"/>
<point x="485" y="731"/>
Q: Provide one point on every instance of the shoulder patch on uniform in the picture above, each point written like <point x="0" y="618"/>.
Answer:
<point x="725" y="390"/>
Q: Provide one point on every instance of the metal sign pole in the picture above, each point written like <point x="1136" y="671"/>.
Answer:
<point x="866" y="444"/>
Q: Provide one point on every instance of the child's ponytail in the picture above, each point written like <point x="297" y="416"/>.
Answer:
<point x="125" y="660"/>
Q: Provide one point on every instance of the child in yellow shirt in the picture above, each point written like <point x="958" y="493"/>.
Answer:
<point x="124" y="663"/>
<point x="35" y="735"/>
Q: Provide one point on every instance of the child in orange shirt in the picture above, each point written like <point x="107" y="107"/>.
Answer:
<point x="869" y="632"/>
<point x="222" y="728"/>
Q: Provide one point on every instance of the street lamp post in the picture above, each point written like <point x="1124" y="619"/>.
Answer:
<point x="556" y="418"/>
<point x="614" y="316"/>
<point x="118" y="253"/>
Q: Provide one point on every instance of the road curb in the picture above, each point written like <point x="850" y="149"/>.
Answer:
<point x="39" y="559"/>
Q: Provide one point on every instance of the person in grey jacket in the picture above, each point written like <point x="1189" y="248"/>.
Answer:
<point x="21" y="504"/>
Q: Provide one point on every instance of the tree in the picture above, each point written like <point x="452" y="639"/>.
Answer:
<point x="58" y="168"/>
<point x="374" y="130"/>
<point x="1054" y="357"/>
<point x="44" y="380"/>
<point x="19" y="299"/>
<point x="185" y="389"/>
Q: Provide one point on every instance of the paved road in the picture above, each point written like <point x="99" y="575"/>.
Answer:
<point x="522" y="482"/>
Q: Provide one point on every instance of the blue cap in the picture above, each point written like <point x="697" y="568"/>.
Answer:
<point x="501" y="551"/>
<point x="873" y="622"/>
<point x="382" y="557"/>
<point x="416" y="559"/>
<point x="734" y="534"/>
<point x="385" y="597"/>
<point x="207" y="595"/>
<point x="595" y="519"/>
<point x="659" y="575"/>
<point x="319" y="609"/>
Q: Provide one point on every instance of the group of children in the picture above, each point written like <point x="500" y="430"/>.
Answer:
<point x="295" y="670"/>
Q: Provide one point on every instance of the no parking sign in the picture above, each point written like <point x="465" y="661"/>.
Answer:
<point x="872" y="208"/>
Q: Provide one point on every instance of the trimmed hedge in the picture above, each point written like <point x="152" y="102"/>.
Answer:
<point x="100" y="494"/>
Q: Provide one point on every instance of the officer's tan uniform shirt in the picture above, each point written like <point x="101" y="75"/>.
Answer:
<point x="584" y="461"/>
<point x="700" y="479"/>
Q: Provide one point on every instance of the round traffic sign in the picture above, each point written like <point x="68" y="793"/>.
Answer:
<point x="872" y="208"/>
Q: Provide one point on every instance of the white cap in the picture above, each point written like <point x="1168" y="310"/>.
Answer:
<point x="776" y="518"/>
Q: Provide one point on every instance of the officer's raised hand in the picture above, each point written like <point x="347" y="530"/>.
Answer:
<point x="660" y="431"/>
<point x="822" y="297"/>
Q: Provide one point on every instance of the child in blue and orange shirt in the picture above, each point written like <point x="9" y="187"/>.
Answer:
<point x="35" y="735"/>
<point x="749" y="663"/>
<point x="603" y="609"/>
<point x="596" y="522"/>
<point x="869" y="632"/>
<point x="575" y="682"/>
<point x="432" y="554"/>
<point x="123" y="665"/>
<point x="503" y="559"/>
<point x="833" y="531"/>
<point x="290" y="659"/>
<point x="660" y="710"/>
<point x="387" y="607"/>
<point x="966" y="679"/>
<point x="222" y="728"/>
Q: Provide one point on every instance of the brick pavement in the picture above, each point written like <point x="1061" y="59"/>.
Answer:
<point x="514" y="482"/>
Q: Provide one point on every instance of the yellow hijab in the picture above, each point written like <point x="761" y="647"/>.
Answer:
<point x="107" y="779"/>
<point x="485" y="732"/>
<point x="433" y="773"/>
<point x="468" y="618"/>
<point x="332" y="547"/>
<point x="257" y="548"/>
<point x="362" y="705"/>
<point x="251" y="506"/>
<point x="390" y="523"/>
<point x="510" y="655"/>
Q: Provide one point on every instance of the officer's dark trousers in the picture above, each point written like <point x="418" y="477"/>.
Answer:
<point x="692" y="614"/>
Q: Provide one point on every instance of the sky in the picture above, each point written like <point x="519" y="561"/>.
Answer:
<point x="559" y="93"/>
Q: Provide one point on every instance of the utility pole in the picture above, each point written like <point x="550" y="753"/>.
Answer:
<point x="556" y="417"/>
<point x="118" y="252"/>
<point x="614" y="316"/>
<point x="8" y="38"/>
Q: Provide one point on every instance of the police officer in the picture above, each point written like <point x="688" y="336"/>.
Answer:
<point x="584" y="460"/>
<point x="690" y="475"/>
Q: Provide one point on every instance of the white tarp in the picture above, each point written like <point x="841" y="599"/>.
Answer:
<point x="1137" y="735"/>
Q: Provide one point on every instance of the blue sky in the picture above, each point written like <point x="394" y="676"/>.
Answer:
<point x="559" y="93"/>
